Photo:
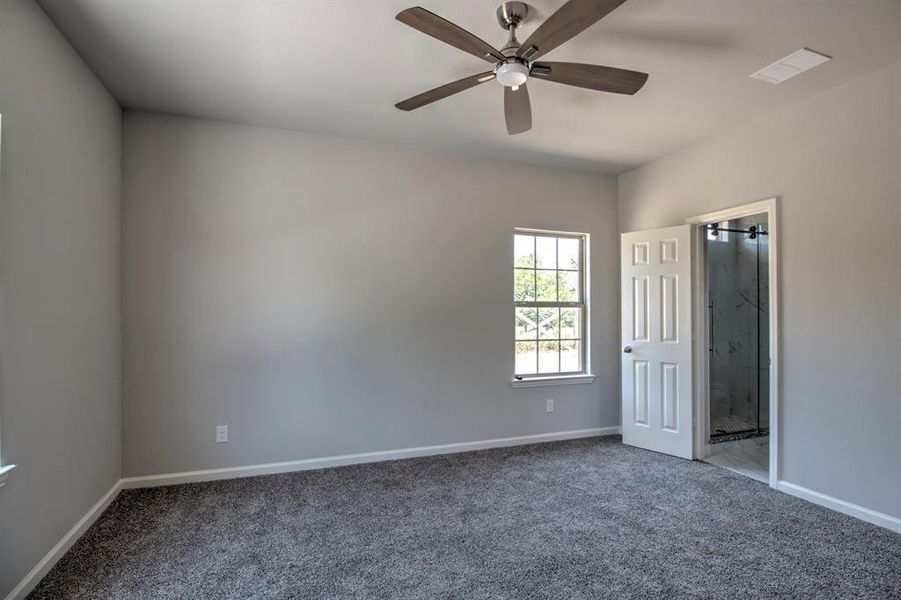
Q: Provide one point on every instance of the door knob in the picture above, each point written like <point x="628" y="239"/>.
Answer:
<point x="627" y="349"/>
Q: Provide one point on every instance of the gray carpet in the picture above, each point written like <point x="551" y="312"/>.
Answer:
<point x="579" y="519"/>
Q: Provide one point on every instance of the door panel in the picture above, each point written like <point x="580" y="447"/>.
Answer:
<point x="656" y="339"/>
<point x="640" y="395"/>
<point x="640" y="316"/>
<point x="669" y="386"/>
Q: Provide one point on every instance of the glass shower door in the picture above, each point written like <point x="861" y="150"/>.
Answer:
<point x="739" y="347"/>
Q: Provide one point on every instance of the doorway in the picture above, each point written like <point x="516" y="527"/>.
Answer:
<point x="735" y="333"/>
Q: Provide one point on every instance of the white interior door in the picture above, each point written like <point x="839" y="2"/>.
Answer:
<point x="656" y="338"/>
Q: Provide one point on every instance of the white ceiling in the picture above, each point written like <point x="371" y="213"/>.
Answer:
<point x="339" y="66"/>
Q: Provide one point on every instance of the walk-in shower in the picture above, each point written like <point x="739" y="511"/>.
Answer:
<point x="738" y="320"/>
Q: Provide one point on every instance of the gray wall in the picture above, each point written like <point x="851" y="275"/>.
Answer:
<point x="323" y="296"/>
<point x="835" y="163"/>
<point x="60" y="189"/>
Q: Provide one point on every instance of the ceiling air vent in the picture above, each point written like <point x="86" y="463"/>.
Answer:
<point x="793" y="64"/>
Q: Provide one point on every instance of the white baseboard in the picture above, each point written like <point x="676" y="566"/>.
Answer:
<point x="848" y="508"/>
<point x="353" y="459"/>
<point x="43" y="567"/>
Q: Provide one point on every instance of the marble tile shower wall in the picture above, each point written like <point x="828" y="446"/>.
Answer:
<point x="737" y="359"/>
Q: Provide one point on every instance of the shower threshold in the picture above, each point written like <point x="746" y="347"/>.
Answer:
<point x="728" y="427"/>
<point x="731" y="436"/>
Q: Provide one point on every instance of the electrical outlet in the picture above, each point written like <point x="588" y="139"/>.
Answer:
<point x="221" y="433"/>
<point x="550" y="405"/>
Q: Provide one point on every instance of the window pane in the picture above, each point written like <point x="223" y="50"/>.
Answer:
<point x="546" y="252"/>
<point x="523" y="250"/>
<point x="526" y="356"/>
<point x="548" y="319"/>
<point x="570" y="356"/>
<point x="547" y="286"/>
<point x="568" y="256"/>
<point x="523" y="285"/>
<point x="526" y="323"/>
<point x="548" y="357"/>
<point x="569" y="286"/>
<point x="570" y="323"/>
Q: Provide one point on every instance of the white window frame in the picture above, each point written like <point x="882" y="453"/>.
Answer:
<point x="573" y="377"/>
<point x="4" y="473"/>
<point x="4" y="469"/>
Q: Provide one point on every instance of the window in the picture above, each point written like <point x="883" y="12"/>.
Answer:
<point x="4" y="470"/>
<point x="549" y="305"/>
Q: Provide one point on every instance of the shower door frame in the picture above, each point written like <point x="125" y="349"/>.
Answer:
<point x="701" y="325"/>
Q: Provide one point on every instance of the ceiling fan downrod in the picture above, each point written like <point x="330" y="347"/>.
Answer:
<point x="510" y="15"/>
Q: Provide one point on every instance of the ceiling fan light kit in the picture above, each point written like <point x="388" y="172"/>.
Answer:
<point x="513" y="64"/>
<point x="512" y="74"/>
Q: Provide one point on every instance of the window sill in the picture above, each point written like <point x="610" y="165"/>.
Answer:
<point x="4" y="472"/>
<point x="559" y="380"/>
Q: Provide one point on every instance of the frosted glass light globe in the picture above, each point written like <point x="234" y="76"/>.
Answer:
<point x="512" y="74"/>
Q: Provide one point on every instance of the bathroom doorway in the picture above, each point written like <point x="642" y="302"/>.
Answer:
<point x="735" y="310"/>
<point x="738" y="344"/>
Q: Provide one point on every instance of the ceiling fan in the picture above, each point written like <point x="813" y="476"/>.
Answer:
<point x="514" y="63"/>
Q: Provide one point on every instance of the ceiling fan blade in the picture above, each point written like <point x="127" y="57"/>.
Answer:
<point x="441" y="29"/>
<point x="448" y="89"/>
<point x="517" y="109"/>
<point x="593" y="77"/>
<point x="570" y="20"/>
